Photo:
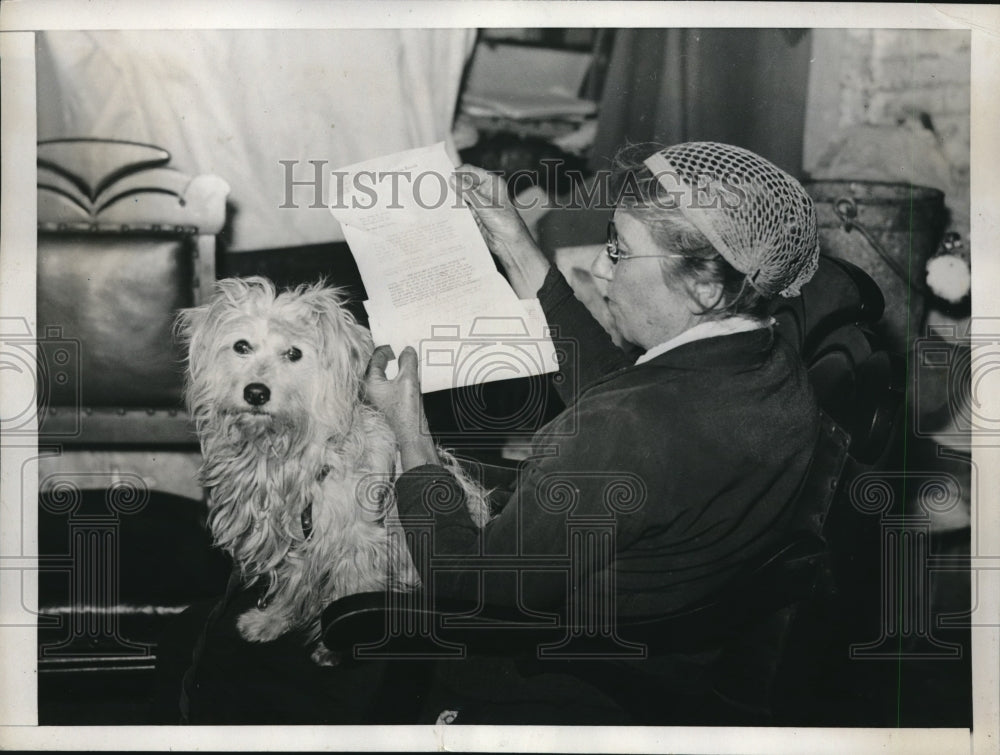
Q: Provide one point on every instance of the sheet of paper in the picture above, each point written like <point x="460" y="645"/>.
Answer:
<point x="430" y="279"/>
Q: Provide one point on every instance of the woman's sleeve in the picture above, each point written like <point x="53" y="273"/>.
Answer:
<point x="524" y="556"/>
<point x="589" y="351"/>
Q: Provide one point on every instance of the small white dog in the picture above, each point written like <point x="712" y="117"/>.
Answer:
<point x="298" y="468"/>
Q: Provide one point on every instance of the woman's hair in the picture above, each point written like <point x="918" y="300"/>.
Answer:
<point x="640" y="195"/>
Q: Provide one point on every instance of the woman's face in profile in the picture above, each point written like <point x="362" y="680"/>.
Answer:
<point x="646" y="310"/>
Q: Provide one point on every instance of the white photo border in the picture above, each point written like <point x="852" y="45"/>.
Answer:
<point x="17" y="300"/>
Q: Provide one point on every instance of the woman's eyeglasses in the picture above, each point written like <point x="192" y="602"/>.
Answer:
<point x="614" y="253"/>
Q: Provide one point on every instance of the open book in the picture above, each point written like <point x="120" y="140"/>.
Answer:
<point x="430" y="279"/>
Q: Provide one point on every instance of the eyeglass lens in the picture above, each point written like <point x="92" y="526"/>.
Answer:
<point x="611" y="248"/>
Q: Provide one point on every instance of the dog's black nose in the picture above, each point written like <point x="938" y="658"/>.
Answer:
<point x="256" y="394"/>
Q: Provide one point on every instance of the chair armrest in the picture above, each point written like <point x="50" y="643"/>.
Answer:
<point x="373" y="617"/>
<point x="784" y="577"/>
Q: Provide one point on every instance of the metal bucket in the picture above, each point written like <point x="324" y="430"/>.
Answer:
<point x="889" y="230"/>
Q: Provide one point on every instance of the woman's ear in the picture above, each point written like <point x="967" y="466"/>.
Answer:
<point x="707" y="293"/>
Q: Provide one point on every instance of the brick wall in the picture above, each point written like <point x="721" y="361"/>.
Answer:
<point x="875" y="87"/>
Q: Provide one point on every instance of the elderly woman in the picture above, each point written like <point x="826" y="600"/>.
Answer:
<point x="695" y="449"/>
<point x="712" y="426"/>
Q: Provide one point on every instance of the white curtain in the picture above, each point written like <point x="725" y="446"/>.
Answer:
<point x="235" y="103"/>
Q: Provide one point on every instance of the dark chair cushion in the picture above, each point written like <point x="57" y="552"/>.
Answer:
<point x="838" y="294"/>
<point x="110" y="585"/>
<point x="116" y="295"/>
<point x="162" y="553"/>
<point x="857" y="384"/>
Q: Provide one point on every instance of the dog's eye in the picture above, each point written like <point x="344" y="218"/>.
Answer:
<point x="294" y="354"/>
<point x="242" y="347"/>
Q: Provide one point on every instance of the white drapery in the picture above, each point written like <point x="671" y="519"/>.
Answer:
<point x="235" y="103"/>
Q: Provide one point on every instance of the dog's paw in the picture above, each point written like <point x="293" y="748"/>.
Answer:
<point x="260" y="626"/>
<point x="323" y="656"/>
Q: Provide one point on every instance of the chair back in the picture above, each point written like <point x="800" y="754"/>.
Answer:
<point x="857" y="382"/>
<point x="124" y="242"/>
<point x="858" y="386"/>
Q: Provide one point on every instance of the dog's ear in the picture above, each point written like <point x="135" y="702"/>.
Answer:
<point x="190" y="328"/>
<point x="342" y="339"/>
<point x="344" y="345"/>
<point x="343" y="349"/>
<point x="188" y="322"/>
<point x="253" y="292"/>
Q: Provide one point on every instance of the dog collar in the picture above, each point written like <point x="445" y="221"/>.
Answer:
<point x="307" y="522"/>
<point x="262" y="601"/>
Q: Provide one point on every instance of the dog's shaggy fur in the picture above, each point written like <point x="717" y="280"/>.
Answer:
<point x="298" y="468"/>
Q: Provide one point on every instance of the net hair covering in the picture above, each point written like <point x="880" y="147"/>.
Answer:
<point x="755" y="215"/>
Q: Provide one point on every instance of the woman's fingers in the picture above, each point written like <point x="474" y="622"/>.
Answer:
<point x="379" y="361"/>
<point x="408" y="364"/>
<point x="375" y="376"/>
<point x="400" y="401"/>
<point x="503" y="229"/>
<point x="489" y="190"/>
<point x="486" y="195"/>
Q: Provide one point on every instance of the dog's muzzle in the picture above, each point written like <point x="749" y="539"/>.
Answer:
<point x="256" y="394"/>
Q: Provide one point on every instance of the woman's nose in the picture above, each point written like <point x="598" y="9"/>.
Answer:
<point x="601" y="267"/>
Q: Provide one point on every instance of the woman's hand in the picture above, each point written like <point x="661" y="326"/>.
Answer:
<point x="504" y="231"/>
<point x="400" y="402"/>
<point x="486" y="195"/>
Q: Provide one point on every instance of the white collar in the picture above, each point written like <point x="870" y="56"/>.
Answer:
<point x="707" y="329"/>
